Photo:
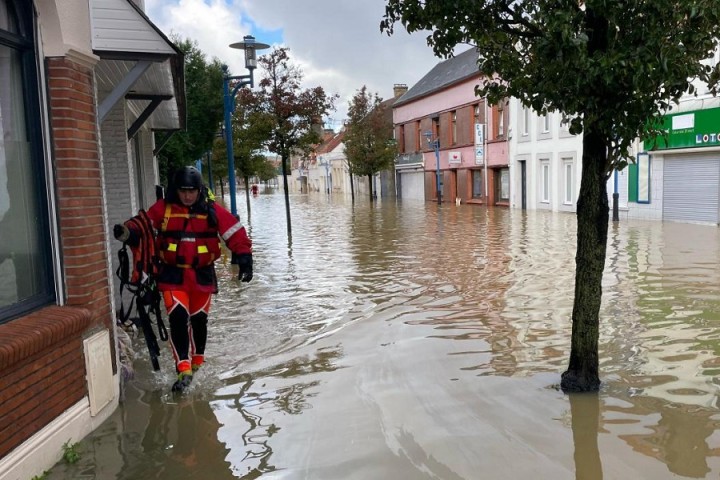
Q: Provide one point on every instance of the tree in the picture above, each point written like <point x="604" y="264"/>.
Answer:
<point x="204" y="99"/>
<point x="612" y="67"/>
<point x="252" y="126"/>
<point x="369" y="143"/>
<point x="295" y="113"/>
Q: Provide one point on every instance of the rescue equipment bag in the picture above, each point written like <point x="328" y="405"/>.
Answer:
<point x="140" y="281"/>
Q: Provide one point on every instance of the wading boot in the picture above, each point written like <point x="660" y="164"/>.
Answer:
<point x="183" y="381"/>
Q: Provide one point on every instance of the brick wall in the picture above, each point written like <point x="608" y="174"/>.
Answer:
<point x="41" y="357"/>
<point x="79" y="187"/>
<point x="41" y="354"/>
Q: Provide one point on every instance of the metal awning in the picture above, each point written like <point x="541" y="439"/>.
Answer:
<point x="138" y="64"/>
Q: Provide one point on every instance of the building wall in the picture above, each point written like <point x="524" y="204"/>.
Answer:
<point x="535" y="146"/>
<point x="458" y="159"/>
<point x="37" y="346"/>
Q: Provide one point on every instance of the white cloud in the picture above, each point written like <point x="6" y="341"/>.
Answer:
<point x="337" y="43"/>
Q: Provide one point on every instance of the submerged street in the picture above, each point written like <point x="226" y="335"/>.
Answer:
<point x="407" y="340"/>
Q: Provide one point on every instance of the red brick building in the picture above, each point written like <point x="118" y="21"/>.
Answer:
<point x="77" y="114"/>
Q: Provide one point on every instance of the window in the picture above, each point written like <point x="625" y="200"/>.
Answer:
<point x="525" y="121"/>
<point x="501" y="121"/>
<point x="25" y="270"/>
<point x="436" y="129"/>
<point x="545" y="179"/>
<point x="502" y="187"/>
<point x="546" y="123"/>
<point x="419" y="139"/>
<point x="453" y="126"/>
<point x="477" y="184"/>
<point x="565" y="123"/>
<point x="569" y="182"/>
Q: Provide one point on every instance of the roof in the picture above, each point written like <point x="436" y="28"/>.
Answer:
<point x="122" y="35"/>
<point x="331" y="144"/>
<point x="444" y="74"/>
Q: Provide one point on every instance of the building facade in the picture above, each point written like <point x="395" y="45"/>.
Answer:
<point x="78" y="107"/>
<point x="449" y="140"/>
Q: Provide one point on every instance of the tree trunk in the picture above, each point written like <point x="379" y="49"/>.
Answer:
<point x="222" y="187"/>
<point x="287" y="193"/>
<point x="352" y="188"/>
<point x="582" y="374"/>
<point x="370" y="185"/>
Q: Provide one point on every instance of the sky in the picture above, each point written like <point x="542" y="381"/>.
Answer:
<point x="336" y="43"/>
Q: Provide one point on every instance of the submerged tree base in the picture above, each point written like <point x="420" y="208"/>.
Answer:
<point x="574" y="382"/>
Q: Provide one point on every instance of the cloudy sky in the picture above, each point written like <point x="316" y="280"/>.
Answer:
<point x="336" y="43"/>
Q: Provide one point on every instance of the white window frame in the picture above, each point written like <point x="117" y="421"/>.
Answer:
<point x="526" y="121"/>
<point x="545" y="181"/>
<point x="568" y="182"/>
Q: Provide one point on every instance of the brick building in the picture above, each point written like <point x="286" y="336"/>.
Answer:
<point x="78" y="107"/>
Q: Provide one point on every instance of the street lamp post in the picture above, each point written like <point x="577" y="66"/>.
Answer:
<point x="324" y="163"/>
<point x="436" y="145"/>
<point x="615" y="197"/>
<point x="250" y="46"/>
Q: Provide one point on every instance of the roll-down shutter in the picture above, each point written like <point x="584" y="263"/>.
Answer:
<point x="412" y="185"/>
<point x="690" y="188"/>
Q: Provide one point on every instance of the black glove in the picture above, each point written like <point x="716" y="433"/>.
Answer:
<point x="121" y="232"/>
<point x="245" y="264"/>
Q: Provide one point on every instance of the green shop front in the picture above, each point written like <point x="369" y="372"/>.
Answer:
<point x="690" y="159"/>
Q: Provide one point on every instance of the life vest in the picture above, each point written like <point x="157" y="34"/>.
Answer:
<point x="187" y="239"/>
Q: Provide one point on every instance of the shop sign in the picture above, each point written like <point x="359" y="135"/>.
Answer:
<point x="699" y="128"/>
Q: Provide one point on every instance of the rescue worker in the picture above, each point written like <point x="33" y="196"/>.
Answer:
<point x="188" y="224"/>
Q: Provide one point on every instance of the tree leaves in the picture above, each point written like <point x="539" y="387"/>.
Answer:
<point x="369" y="143"/>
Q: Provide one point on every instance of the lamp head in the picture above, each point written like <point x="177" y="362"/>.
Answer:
<point x="250" y="46"/>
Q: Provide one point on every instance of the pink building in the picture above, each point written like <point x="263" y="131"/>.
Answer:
<point x="473" y="147"/>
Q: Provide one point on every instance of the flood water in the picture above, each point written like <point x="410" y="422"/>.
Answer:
<point x="411" y="341"/>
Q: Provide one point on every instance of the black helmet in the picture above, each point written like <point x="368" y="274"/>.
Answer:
<point x="188" y="178"/>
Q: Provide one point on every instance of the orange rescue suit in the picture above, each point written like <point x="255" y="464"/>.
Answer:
<point x="188" y="243"/>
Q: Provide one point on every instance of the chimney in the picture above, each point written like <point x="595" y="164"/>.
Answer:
<point x="399" y="89"/>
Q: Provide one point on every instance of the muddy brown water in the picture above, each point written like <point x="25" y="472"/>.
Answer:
<point x="403" y="340"/>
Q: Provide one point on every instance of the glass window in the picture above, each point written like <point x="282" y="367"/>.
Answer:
<point x="453" y="119"/>
<point x="501" y="121"/>
<point x="526" y="121"/>
<point x="477" y="184"/>
<point x="419" y="142"/>
<point x="546" y="123"/>
<point x="25" y="272"/>
<point x="568" y="182"/>
<point x="545" y="168"/>
<point x="503" y="185"/>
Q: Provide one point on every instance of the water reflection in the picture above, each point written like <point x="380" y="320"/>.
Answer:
<point x="585" y="411"/>
<point x="411" y="340"/>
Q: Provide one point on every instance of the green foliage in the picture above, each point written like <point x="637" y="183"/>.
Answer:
<point x="369" y="143"/>
<point x="266" y="170"/>
<point x="70" y="452"/>
<point x="294" y="114"/>
<point x="204" y="100"/>
<point x="252" y="126"/>
<point x="608" y="65"/>
<point x="42" y="476"/>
